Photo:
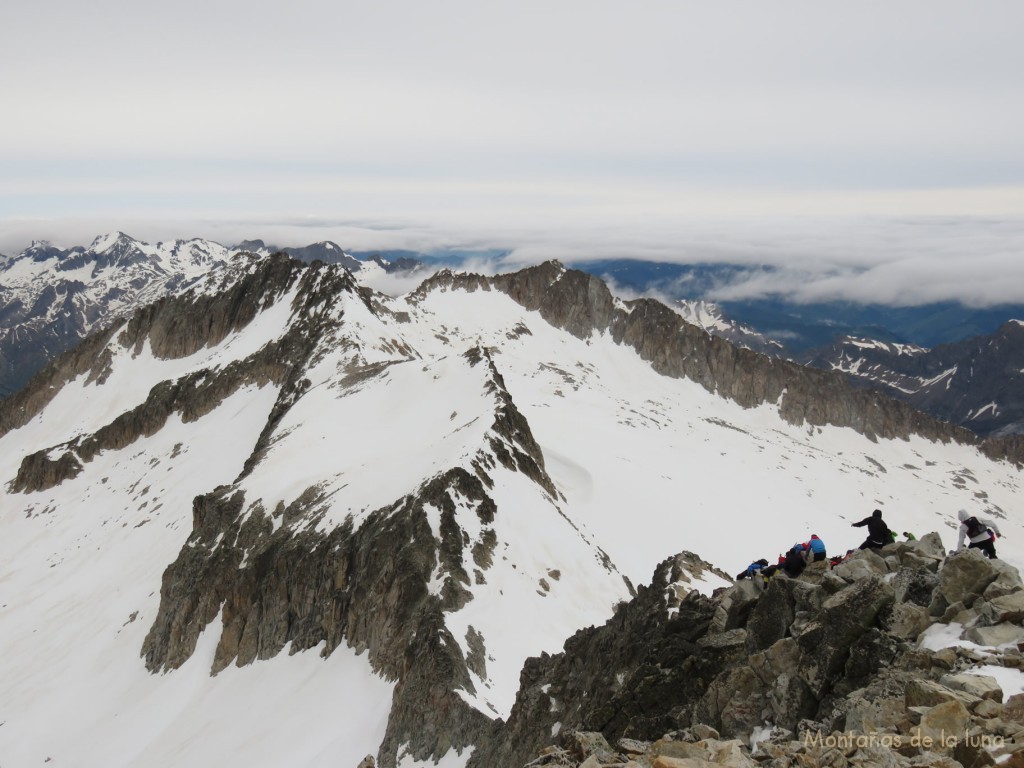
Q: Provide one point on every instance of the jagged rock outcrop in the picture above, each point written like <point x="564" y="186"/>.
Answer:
<point x="581" y="304"/>
<point x="276" y="583"/>
<point x="818" y="672"/>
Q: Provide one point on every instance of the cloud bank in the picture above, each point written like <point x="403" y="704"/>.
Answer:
<point x="866" y="150"/>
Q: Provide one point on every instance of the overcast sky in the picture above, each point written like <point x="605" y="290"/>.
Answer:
<point x="869" y="137"/>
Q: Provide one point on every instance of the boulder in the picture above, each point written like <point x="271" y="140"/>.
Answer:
<point x="965" y="576"/>
<point x="788" y="696"/>
<point x="773" y="614"/>
<point x="907" y="620"/>
<point x="1000" y="634"/>
<point x="861" y="565"/>
<point x="735" y="605"/>
<point x="832" y="583"/>
<point x="927" y="693"/>
<point x="930" y="759"/>
<point x="735" y="703"/>
<point x="1004" y="608"/>
<point x="678" y="749"/>
<point x="1006" y="582"/>
<point x="729" y="753"/>
<point x="583" y="744"/>
<point x="987" y="708"/>
<point x="875" y="757"/>
<point x="815" y="572"/>
<point x="864" y="715"/>
<point x="632" y="746"/>
<point x="914" y="585"/>
<point x="781" y="660"/>
<point x="944" y="724"/>
<point x="929" y="547"/>
<point x="724" y="642"/>
<point x="701" y="732"/>
<point x="843" y="619"/>
<point x="958" y="613"/>
<point x="981" y="686"/>
<point x="1013" y="709"/>
<point x="675" y="762"/>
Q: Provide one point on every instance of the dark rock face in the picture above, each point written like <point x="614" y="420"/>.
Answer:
<point x="624" y="678"/>
<point x="581" y="304"/>
<point x="366" y="587"/>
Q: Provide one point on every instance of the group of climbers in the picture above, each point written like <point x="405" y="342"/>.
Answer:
<point x="980" y="532"/>
<point x="792" y="563"/>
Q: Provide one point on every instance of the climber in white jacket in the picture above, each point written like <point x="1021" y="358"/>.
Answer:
<point x="980" y="531"/>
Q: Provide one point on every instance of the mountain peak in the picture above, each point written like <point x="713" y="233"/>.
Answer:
<point x="104" y="243"/>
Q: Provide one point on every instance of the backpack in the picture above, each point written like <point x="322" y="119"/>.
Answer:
<point x="974" y="527"/>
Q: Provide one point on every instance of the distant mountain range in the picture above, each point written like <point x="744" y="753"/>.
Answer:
<point x="51" y="298"/>
<point x="960" y="364"/>
<point x="978" y="382"/>
<point x="957" y="363"/>
<point x="801" y="327"/>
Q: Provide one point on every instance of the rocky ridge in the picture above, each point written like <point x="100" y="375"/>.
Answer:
<point x="51" y="298"/>
<point x="582" y="305"/>
<point x="839" y="667"/>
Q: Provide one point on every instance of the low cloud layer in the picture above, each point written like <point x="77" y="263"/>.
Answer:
<point x="868" y="150"/>
<point x="889" y="261"/>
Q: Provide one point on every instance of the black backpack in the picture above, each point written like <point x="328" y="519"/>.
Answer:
<point x="974" y="527"/>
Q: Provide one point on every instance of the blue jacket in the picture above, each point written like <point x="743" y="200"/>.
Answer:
<point x="754" y="568"/>
<point x="817" y="546"/>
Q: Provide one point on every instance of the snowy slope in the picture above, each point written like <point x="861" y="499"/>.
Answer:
<point x="80" y="569"/>
<point x="650" y="463"/>
<point x="363" y="402"/>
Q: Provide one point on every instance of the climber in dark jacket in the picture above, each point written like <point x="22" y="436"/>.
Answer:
<point x="794" y="563"/>
<point x="878" y="532"/>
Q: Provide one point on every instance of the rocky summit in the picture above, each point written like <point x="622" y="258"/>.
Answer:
<point x="280" y="518"/>
<point x="886" y="659"/>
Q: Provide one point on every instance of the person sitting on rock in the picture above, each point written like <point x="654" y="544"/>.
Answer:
<point x="753" y="569"/>
<point x="795" y="562"/>
<point x="980" y="531"/>
<point x="909" y="536"/>
<point x="878" y="532"/>
<point x="814" y="550"/>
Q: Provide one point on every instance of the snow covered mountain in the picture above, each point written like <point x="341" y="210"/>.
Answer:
<point x="335" y="523"/>
<point x="52" y="298"/>
<point x="710" y="316"/>
<point x="977" y="383"/>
